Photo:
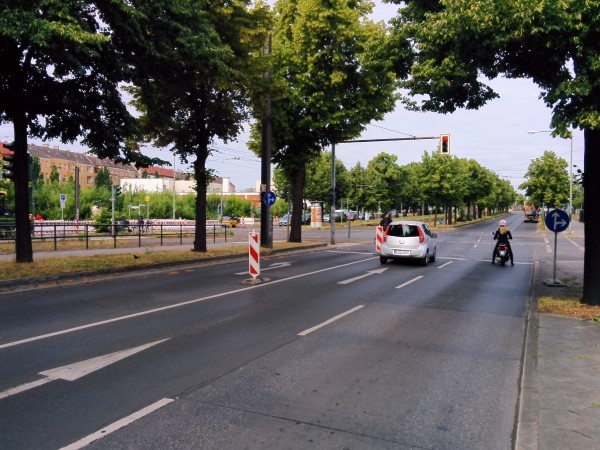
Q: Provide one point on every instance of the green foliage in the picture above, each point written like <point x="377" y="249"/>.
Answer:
<point x="103" y="178"/>
<point x="201" y="76"/>
<point x="238" y="207"/>
<point x="547" y="181"/>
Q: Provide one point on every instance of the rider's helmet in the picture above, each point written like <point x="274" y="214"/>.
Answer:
<point x="503" y="223"/>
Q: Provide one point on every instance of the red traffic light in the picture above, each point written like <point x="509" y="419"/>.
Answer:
<point x="445" y="144"/>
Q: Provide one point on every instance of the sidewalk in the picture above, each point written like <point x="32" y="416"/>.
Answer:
<point x="560" y="398"/>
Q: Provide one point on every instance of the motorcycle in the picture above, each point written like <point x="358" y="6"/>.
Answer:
<point x="502" y="255"/>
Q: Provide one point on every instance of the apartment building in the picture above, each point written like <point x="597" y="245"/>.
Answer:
<point x="89" y="165"/>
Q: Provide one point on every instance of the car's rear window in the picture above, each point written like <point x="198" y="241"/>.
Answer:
<point x="403" y="231"/>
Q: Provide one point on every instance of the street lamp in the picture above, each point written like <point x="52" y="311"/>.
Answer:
<point x="570" y="170"/>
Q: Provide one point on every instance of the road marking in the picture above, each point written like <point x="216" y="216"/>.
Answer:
<point x="333" y="319"/>
<point x="364" y="275"/>
<point x="409" y="282"/>
<point x="24" y="387"/>
<point x="176" y="305"/>
<point x="446" y="264"/>
<point x="278" y="265"/>
<point x="118" y="424"/>
<point x="79" y="369"/>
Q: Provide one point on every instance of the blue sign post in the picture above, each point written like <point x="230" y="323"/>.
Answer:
<point x="269" y="198"/>
<point x="557" y="221"/>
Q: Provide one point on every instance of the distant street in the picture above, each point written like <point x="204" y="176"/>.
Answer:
<point x="335" y="351"/>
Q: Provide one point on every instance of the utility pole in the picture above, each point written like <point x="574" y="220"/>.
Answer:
<point x="266" y="225"/>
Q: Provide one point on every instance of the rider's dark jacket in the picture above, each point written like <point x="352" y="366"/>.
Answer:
<point x="503" y="237"/>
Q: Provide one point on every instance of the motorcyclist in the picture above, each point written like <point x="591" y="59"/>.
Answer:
<point x="502" y="235"/>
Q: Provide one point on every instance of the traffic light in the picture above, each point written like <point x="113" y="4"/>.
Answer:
<point x="117" y="191"/>
<point x="9" y="162"/>
<point x="445" y="144"/>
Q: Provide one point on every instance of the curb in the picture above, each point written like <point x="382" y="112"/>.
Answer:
<point x="526" y="429"/>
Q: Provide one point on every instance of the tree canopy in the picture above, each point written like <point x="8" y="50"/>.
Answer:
<point x="330" y="77"/>
<point x="206" y="59"/>
<point x="457" y="45"/>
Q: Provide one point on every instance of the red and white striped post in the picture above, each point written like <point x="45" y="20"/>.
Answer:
<point x="253" y="255"/>
<point x="378" y="238"/>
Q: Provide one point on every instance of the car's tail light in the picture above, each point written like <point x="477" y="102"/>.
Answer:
<point x="385" y="233"/>
<point x="421" y="235"/>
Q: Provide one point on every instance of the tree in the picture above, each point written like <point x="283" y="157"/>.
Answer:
<point x="201" y="74"/>
<point x="445" y="181"/>
<point x="547" y="181"/>
<point x="479" y="184"/>
<point x="362" y="190"/>
<point x="318" y="179"/>
<point x="54" y="175"/>
<point x="332" y="79"/>
<point x="62" y="66"/>
<point x="384" y="171"/>
<point x="555" y="44"/>
<point x="103" y="178"/>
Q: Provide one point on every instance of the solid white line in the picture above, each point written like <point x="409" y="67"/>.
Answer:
<point x="176" y="305"/>
<point x="446" y="264"/>
<point x="327" y="322"/>
<point x="409" y="281"/>
<point x="118" y="425"/>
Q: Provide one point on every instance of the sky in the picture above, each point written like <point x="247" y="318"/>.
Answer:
<point x="495" y="135"/>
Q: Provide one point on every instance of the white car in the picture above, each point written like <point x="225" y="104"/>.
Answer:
<point x="408" y="240"/>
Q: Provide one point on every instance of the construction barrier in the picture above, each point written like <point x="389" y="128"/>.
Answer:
<point x="253" y="255"/>
<point x="378" y="238"/>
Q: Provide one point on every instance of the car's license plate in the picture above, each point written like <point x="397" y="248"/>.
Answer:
<point x="401" y="252"/>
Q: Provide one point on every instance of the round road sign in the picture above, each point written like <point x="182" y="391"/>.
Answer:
<point x="557" y="220"/>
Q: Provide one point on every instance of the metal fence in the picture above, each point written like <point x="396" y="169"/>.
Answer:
<point x="157" y="231"/>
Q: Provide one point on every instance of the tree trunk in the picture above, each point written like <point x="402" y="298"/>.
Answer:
<point x="591" y="192"/>
<point x="23" y="247"/>
<point x="298" y="178"/>
<point x="201" y="183"/>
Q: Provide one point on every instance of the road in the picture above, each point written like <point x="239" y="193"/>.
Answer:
<point x="335" y="351"/>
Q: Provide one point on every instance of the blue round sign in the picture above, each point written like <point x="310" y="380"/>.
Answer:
<point x="557" y="220"/>
<point x="269" y="198"/>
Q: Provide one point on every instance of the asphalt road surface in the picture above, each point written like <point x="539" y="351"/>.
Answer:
<point x="335" y="351"/>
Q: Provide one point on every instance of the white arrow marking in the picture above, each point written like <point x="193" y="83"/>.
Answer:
<point x="556" y="216"/>
<point x="360" y="277"/>
<point x="77" y="370"/>
<point x="271" y="267"/>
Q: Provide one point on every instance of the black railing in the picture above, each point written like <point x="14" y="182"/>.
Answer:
<point x="148" y="234"/>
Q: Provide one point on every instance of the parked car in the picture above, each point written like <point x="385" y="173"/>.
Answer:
<point x="305" y="219"/>
<point x="352" y="215"/>
<point x="284" y="220"/>
<point x="408" y="240"/>
<point x="327" y="218"/>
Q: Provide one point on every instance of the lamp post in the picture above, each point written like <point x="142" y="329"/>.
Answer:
<point x="174" y="189"/>
<point x="570" y="170"/>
